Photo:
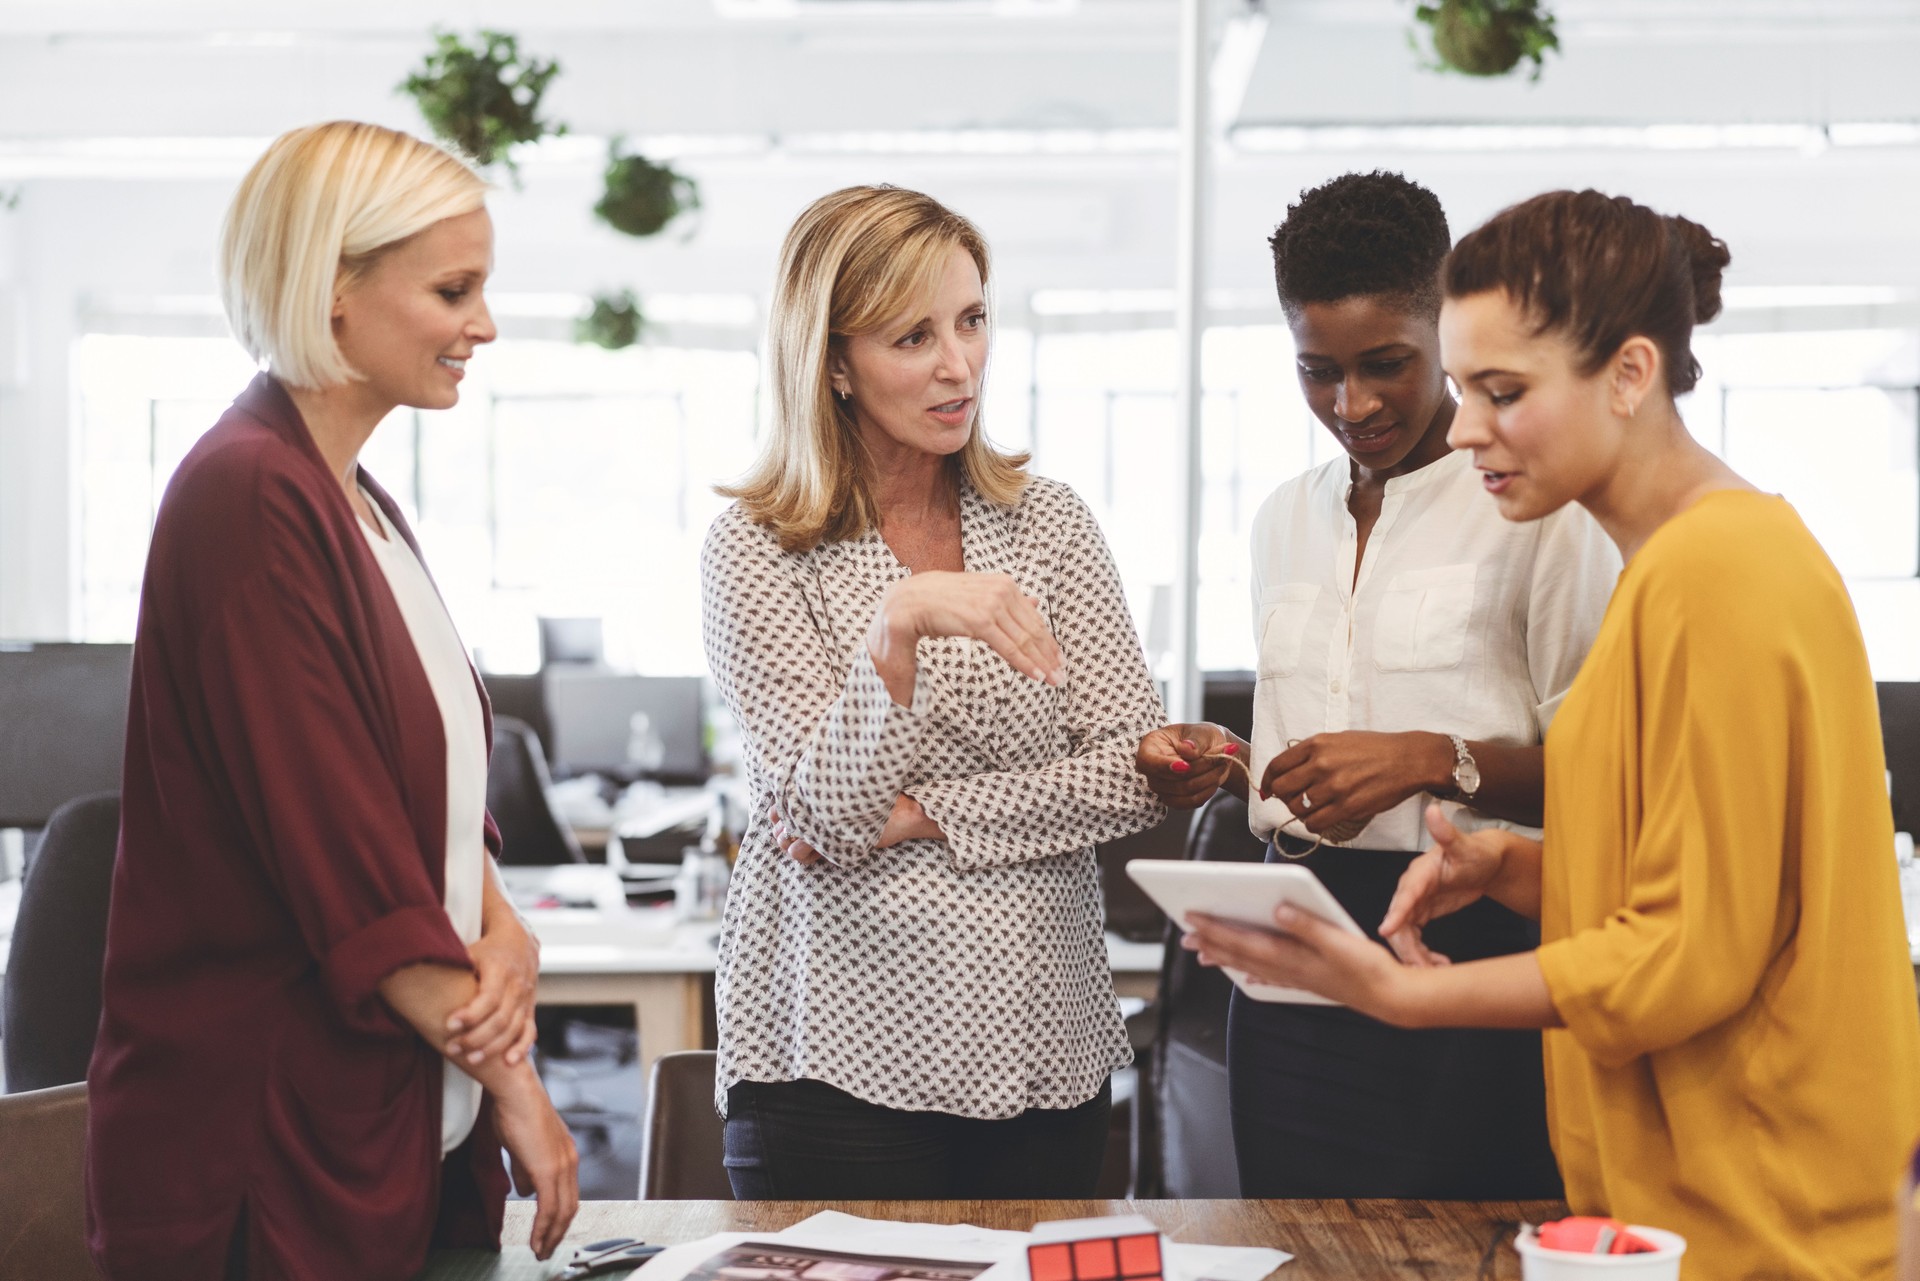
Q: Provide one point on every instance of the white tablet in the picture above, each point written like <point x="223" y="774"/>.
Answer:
<point x="1246" y="893"/>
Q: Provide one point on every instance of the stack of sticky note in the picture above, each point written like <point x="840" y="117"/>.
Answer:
<point x="1122" y="1248"/>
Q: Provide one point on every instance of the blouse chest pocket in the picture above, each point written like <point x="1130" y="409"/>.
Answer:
<point x="1422" y="624"/>
<point x="1284" y="611"/>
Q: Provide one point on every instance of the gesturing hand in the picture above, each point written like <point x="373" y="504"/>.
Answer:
<point x="987" y="607"/>
<point x="1345" y="779"/>
<point x="1456" y="872"/>
<point x="1186" y="764"/>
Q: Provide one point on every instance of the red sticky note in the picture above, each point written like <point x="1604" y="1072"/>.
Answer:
<point x="1094" y="1260"/>
<point x="1140" y="1256"/>
<point x="1050" y="1262"/>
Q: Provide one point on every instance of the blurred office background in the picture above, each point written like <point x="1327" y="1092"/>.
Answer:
<point x="574" y="481"/>
<point x="562" y="504"/>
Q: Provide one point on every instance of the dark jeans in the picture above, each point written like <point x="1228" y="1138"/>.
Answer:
<point x="1328" y="1103"/>
<point x="808" y="1141"/>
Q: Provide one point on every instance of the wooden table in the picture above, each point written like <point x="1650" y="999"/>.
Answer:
<point x="1343" y="1239"/>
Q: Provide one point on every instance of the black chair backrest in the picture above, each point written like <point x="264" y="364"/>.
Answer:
<point x="63" y="725"/>
<point x="43" y="1207"/>
<point x="531" y="834"/>
<point x="51" y="1007"/>
<point x="681" y="1156"/>
<point x="524" y="698"/>
<point x="1187" y="1069"/>
<point x="1900" y="729"/>
<point x="1129" y="912"/>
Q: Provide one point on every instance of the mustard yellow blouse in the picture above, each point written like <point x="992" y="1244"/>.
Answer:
<point x="1721" y="914"/>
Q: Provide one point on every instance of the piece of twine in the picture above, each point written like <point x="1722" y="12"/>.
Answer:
<point x="1343" y="831"/>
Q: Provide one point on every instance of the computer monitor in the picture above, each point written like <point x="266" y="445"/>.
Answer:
<point x="63" y="725"/>
<point x="571" y="641"/>
<point x="592" y="715"/>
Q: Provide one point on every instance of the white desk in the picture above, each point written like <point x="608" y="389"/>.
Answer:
<point x="664" y="972"/>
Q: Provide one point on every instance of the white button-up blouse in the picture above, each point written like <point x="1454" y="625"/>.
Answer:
<point x="1462" y="622"/>
<point x="969" y="975"/>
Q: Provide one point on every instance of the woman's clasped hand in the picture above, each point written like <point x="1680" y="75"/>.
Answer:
<point x="498" y="1021"/>
<point x="907" y="822"/>
<point x="1330" y="782"/>
<point x="1186" y="764"/>
<point x="1342" y="780"/>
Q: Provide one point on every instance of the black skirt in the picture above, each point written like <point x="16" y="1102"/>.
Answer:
<point x="1330" y="1103"/>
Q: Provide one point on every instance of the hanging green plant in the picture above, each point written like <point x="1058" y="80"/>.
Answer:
<point x="1488" y="37"/>
<point x="615" y="321"/>
<point x="642" y="197"/>
<point x="484" y="101"/>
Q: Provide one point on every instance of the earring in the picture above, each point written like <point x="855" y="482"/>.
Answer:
<point x="843" y="396"/>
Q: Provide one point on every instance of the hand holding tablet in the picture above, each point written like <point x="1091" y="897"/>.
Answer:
<point x="1245" y="893"/>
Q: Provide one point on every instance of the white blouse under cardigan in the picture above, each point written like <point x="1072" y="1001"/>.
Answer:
<point x="452" y="681"/>
<point x="1462" y="622"/>
<point x="966" y="976"/>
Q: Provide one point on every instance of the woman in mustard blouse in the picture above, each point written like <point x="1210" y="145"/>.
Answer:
<point x="1737" y="1052"/>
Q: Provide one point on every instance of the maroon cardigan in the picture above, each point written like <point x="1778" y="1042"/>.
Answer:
<point x="282" y="850"/>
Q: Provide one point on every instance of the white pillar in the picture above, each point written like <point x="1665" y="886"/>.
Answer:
<point x="1189" y="321"/>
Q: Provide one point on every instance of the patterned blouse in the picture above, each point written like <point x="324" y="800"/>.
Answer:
<point x="967" y="976"/>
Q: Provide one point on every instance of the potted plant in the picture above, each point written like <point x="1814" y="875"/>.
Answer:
<point x="614" y="322"/>
<point x="1488" y="37"/>
<point x="484" y="101"/>
<point x="642" y="197"/>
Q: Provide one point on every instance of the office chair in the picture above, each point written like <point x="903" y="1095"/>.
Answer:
<point x="51" y="1009"/>
<point x="1900" y="730"/>
<point x="43" y="1202"/>
<point x="524" y="698"/>
<point x="681" y="1153"/>
<point x="531" y="834"/>
<point x="1129" y="912"/>
<point x="1183" y="1139"/>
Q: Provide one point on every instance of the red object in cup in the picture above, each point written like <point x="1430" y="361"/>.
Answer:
<point x="1587" y="1234"/>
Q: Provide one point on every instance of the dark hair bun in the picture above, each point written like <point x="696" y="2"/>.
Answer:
<point x="1708" y="257"/>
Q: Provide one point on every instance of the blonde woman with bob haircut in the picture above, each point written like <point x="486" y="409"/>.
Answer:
<point x="939" y="689"/>
<point x="317" y="1003"/>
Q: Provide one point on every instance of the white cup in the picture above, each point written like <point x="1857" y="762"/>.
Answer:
<point x="1537" y="1263"/>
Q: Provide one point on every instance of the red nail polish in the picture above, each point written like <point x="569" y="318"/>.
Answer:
<point x="1180" y="767"/>
<point x="1231" y="748"/>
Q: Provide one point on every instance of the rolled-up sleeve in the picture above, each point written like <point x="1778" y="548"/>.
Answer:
<point x="835" y="747"/>
<point x="1701" y="917"/>
<point x="291" y="716"/>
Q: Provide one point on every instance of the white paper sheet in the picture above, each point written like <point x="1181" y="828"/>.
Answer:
<point x="832" y="1230"/>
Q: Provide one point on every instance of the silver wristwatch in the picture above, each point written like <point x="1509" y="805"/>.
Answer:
<point x="1466" y="773"/>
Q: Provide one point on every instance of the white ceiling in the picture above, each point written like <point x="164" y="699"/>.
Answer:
<point x="209" y="68"/>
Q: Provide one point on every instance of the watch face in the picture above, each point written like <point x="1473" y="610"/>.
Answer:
<point x="1466" y="776"/>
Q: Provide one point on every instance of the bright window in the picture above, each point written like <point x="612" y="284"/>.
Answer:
<point x="569" y="480"/>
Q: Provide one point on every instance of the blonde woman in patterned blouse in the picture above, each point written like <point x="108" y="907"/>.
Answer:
<point x="939" y="689"/>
